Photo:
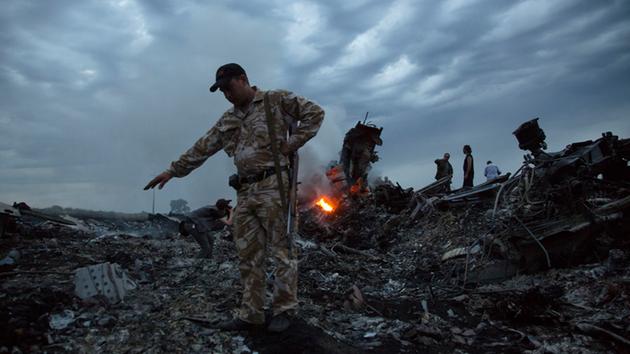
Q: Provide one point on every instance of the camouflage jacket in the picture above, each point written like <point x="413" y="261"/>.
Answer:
<point x="444" y="168"/>
<point x="244" y="135"/>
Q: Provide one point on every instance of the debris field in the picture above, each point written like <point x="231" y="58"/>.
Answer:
<point x="537" y="261"/>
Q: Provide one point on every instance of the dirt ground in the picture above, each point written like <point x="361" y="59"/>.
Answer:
<point x="370" y="281"/>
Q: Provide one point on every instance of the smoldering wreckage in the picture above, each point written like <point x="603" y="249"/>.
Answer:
<point x="536" y="261"/>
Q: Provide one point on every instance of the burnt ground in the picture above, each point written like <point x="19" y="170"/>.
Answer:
<point x="371" y="281"/>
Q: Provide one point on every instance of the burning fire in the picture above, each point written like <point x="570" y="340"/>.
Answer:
<point x="325" y="204"/>
<point x="359" y="187"/>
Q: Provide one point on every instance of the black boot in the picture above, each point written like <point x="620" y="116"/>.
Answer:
<point x="235" y="324"/>
<point x="279" y="323"/>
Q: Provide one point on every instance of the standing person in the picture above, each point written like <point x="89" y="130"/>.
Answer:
<point x="469" y="167"/>
<point x="444" y="169"/>
<point x="202" y="222"/>
<point x="260" y="220"/>
<point x="492" y="171"/>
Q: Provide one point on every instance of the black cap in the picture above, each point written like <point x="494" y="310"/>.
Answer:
<point x="222" y="203"/>
<point x="225" y="73"/>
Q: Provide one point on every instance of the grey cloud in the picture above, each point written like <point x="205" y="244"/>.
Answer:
<point x="100" y="96"/>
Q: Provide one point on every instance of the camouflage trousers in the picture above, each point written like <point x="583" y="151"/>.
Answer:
<point x="259" y="232"/>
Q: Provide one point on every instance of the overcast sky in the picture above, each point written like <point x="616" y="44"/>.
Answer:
<point x="97" y="97"/>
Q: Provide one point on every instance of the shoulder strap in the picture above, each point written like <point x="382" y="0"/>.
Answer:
<point x="274" y="150"/>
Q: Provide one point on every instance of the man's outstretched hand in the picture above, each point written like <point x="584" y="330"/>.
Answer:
<point x="160" y="179"/>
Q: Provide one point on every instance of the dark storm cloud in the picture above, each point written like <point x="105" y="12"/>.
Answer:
<point x="98" y="96"/>
<point x="453" y="73"/>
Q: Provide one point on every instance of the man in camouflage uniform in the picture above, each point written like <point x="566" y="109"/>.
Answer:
<point x="444" y="169"/>
<point x="259" y="220"/>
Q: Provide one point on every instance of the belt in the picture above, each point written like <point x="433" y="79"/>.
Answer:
<point x="261" y="175"/>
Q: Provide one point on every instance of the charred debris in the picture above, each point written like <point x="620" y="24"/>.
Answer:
<point x="534" y="261"/>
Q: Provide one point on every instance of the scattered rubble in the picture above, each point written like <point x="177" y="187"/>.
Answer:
<point x="537" y="261"/>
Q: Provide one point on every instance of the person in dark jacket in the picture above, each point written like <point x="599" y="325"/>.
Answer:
<point x="469" y="167"/>
<point x="201" y="224"/>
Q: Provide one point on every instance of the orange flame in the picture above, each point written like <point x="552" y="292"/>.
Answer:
<point x="325" y="205"/>
<point x="359" y="187"/>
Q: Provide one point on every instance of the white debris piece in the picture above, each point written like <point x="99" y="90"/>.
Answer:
<point x="462" y="251"/>
<point x="61" y="320"/>
<point x="105" y="279"/>
<point x="12" y="258"/>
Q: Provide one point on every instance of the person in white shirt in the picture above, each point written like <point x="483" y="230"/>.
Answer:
<point x="492" y="171"/>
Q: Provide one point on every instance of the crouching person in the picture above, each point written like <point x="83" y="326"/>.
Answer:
<point x="202" y="223"/>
